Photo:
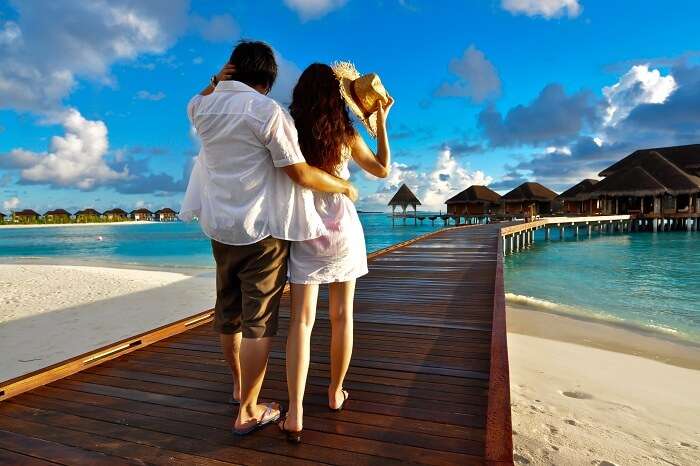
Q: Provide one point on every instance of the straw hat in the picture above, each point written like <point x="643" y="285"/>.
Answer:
<point x="361" y="93"/>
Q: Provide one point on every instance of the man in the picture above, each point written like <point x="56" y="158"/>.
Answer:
<point x="248" y="190"/>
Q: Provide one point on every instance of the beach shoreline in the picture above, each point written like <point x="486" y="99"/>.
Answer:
<point x="8" y="226"/>
<point x="587" y="392"/>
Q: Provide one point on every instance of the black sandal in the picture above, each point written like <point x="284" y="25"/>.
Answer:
<point x="346" y="395"/>
<point x="293" y="436"/>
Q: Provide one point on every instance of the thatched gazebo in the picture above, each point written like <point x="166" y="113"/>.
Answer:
<point x="404" y="198"/>
<point x="475" y="200"/>
<point x="141" y="214"/>
<point x="166" y="215"/>
<point x="87" y="216"/>
<point x="57" y="216"/>
<point x="576" y="199"/>
<point x="529" y="200"/>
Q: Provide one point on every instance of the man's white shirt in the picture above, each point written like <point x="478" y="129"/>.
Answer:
<point x="237" y="189"/>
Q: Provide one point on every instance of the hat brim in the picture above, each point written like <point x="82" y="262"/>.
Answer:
<point x="346" y="73"/>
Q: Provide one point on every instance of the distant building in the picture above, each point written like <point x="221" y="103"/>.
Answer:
<point x="166" y="215"/>
<point x="2" y="217"/>
<point x="141" y="215"/>
<point x="87" y="216"/>
<point x="663" y="182"/>
<point x="404" y="198"/>
<point x="25" y="216"/>
<point x="115" y="215"/>
<point x="529" y="200"/>
<point x="475" y="200"/>
<point x="577" y="201"/>
<point x="57" y="216"/>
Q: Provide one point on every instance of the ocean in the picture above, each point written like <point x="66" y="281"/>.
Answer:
<point x="642" y="280"/>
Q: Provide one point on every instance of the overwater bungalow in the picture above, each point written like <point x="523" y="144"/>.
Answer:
<point x="653" y="183"/>
<point x="576" y="200"/>
<point x="87" y="216"/>
<point x="166" y="215"/>
<point x="141" y="215"/>
<point x="25" y="216"/>
<point x="116" y="215"/>
<point x="2" y="217"/>
<point x="404" y="198"/>
<point x="57" y="216"/>
<point x="529" y="200"/>
<point x="475" y="200"/>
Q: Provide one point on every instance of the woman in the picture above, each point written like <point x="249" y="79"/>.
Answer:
<point x="328" y="140"/>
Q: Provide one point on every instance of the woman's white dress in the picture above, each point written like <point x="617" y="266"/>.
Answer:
<point x="338" y="256"/>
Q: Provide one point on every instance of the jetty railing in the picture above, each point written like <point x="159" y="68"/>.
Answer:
<point x="519" y="236"/>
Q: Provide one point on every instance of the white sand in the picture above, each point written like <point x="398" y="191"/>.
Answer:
<point x="49" y="313"/>
<point x="578" y="405"/>
<point x="89" y="224"/>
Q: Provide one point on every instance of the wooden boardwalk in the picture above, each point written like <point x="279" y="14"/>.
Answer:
<point x="428" y="384"/>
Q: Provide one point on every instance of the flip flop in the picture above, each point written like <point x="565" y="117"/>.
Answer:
<point x="346" y="395"/>
<point x="267" y="418"/>
<point x="293" y="436"/>
<point x="233" y="401"/>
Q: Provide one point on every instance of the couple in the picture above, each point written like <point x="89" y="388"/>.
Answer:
<point x="271" y="190"/>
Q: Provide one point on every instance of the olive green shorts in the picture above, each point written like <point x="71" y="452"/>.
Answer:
<point x="250" y="281"/>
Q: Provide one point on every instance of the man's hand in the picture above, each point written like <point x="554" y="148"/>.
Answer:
<point x="352" y="193"/>
<point x="226" y="72"/>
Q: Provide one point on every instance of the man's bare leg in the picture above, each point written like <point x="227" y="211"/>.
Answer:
<point x="253" y="359"/>
<point x="231" y="347"/>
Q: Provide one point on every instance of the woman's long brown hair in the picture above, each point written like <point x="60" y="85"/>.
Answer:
<point x="321" y="117"/>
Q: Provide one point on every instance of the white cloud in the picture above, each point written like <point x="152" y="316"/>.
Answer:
<point x="446" y="179"/>
<point x="75" y="159"/>
<point x="639" y="85"/>
<point x="545" y="8"/>
<point x="218" y="28"/>
<point x="197" y="60"/>
<point x="312" y="9"/>
<point x="478" y="78"/>
<point x="11" y="203"/>
<point x="146" y="95"/>
<point x="48" y="48"/>
<point x="287" y="76"/>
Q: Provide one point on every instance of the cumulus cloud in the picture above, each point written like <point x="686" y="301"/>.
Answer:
<point x="639" y="85"/>
<point x="552" y="117"/>
<point x="146" y="95"/>
<point x="477" y="78"/>
<point x="313" y="9"/>
<point x="76" y="159"/>
<point x="446" y="179"/>
<point x="218" y="28"/>
<point x="44" y="46"/>
<point x="545" y="8"/>
<point x="11" y="203"/>
<point x="287" y="76"/>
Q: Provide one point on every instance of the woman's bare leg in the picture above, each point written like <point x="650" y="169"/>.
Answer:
<point x="303" y="314"/>
<point x="340" y="297"/>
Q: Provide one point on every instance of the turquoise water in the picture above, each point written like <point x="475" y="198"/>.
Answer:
<point x="642" y="279"/>
<point x="161" y="244"/>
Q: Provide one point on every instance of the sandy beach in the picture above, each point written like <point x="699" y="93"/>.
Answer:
<point x="589" y="393"/>
<point x="49" y="313"/>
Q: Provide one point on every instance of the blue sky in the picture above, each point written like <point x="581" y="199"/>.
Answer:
<point x="93" y="94"/>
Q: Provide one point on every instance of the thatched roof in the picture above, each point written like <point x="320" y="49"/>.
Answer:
<point x="57" y="212"/>
<point x="667" y="176"/>
<point x="141" y="211"/>
<point x="88" y="212"/>
<point x="27" y="213"/>
<point x="578" y="191"/>
<point x="2" y="215"/>
<point x="404" y="196"/>
<point x="530" y="191"/>
<point x="687" y="158"/>
<point x="635" y="181"/>
<point x="166" y="210"/>
<point x="475" y="193"/>
<point x="116" y="211"/>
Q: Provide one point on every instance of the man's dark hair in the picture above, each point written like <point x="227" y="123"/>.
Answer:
<point x="255" y="64"/>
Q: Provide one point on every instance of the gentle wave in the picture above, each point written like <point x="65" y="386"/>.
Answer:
<point x="542" y="305"/>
